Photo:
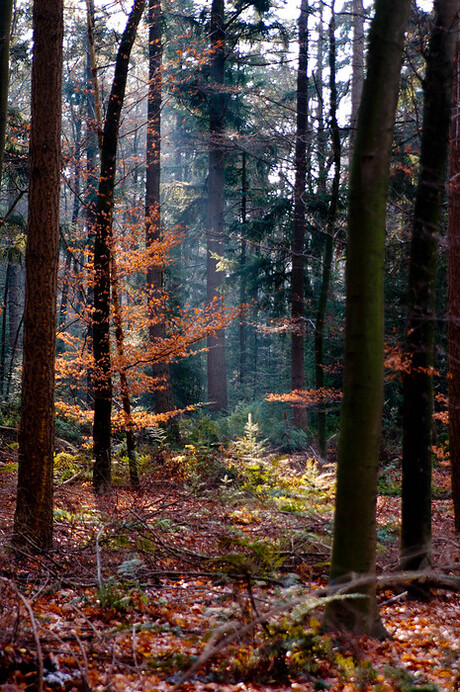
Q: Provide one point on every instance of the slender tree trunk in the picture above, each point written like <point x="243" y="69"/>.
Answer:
<point x="454" y="293"/>
<point x="14" y="324"/>
<point x="299" y="413"/>
<point x="114" y="284"/>
<point x="124" y="385"/>
<point x="75" y="210"/>
<point x="164" y="401"/>
<point x="217" y="378"/>
<point x="329" y="244"/>
<point x="354" y="543"/>
<point x="4" y="314"/>
<point x="92" y="146"/>
<point x="6" y="11"/>
<point x="33" y="520"/>
<point x="102" y="251"/>
<point x="419" y="344"/>
<point x="243" y="297"/>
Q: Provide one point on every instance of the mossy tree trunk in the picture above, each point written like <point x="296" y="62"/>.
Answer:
<point x="420" y="329"/>
<point x="357" y="70"/>
<point x="33" y="520"/>
<point x="354" y="544"/>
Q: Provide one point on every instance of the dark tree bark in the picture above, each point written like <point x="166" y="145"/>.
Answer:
<point x="217" y="379"/>
<point x="33" y="520"/>
<point x="454" y="293"/>
<point x="5" y="307"/>
<point x="6" y="11"/>
<point x="299" y="413"/>
<point x="92" y="146"/>
<point x="357" y="69"/>
<point x="354" y="543"/>
<point x="163" y="395"/>
<point x="243" y="296"/>
<point x="419" y="343"/>
<point x="124" y="384"/>
<point x="102" y="252"/>
<point x="329" y="244"/>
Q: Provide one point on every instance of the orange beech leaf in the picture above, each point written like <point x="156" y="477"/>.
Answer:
<point x="309" y="397"/>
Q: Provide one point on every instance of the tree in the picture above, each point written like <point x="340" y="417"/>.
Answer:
<point x="329" y="243"/>
<point x="33" y="520"/>
<point x="354" y="542"/>
<point x="163" y="395"/>
<point x="357" y="68"/>
<point x="217" y="379"/>
<point x="102" y="263"/>
<point x="6" y="11"/>
<point x="453" y="308"/>
<point x="298" y="235"/>
<point x="419" y="344"/>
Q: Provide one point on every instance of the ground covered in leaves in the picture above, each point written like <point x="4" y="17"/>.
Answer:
<point x="215" y="581"/>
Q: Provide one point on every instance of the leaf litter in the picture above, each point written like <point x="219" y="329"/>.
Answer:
<point x="193" y="588"/>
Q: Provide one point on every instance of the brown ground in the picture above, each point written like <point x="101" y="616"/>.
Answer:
<point x="184" y="571"/>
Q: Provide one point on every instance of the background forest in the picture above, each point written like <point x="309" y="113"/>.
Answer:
<point x="254" y="255"/>
<point x="228" y="289"/>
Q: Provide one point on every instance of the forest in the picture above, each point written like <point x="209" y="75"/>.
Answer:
<point x="230" y="345"/>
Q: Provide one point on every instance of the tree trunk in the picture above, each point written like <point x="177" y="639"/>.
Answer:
<point x="329" y="244"/>
<point x="454" y="293"/>
<point x="102" y="251"/>
<point x="6" y="11"/>
<point x="92" y="142"/>
<point x="75" y="210"/>
<point x="217" y="378"/>
<point x="243" y="292"/>
<point x="33" y="520"/>
<point x="163" y="396"/>
<point x="357" y="70"/>
<point x="354" y="543"/>
<point x="299" y="413"/>
<point x="14" y="321"/>
<point x="419" y="343"/>
<point x="124" y="385"/>
<point x="5" y="308"/>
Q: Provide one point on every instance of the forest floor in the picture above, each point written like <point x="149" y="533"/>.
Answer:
<point x="194" y="585"/>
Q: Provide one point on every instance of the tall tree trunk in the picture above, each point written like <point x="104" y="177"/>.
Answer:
<point x="92" y="146"/>
<point x="5" y="307"/>
<point x="299" y="413"/>
<point x="102" y="251"/>
<point x="217" y="379"/>
<point x="124" y="385"/>
<point x="163" y="396"/>
<point x="33" y="520"/>
<point x="419" y="343"/>
<point x="75" y="210"/>
<point x="6" y="11"/>
<point x="354" y="543"/>
<point x="14" y="322"/>
<point x="329" y="244"/>
<point x="454" y="293"/>
<point x="357" y="70"/>
<point x="243" y="296"/>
